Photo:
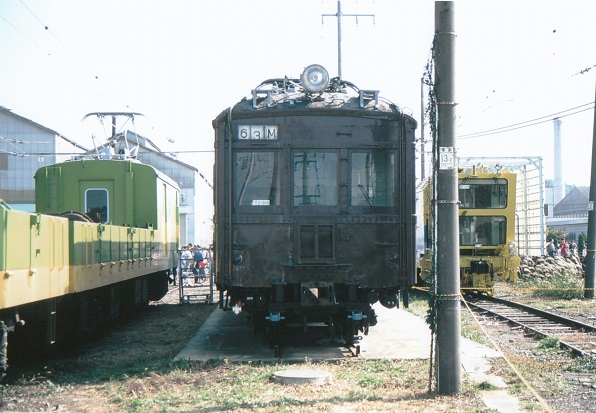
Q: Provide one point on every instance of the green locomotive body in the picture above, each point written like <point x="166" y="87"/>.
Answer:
<point x="103" y="241"/>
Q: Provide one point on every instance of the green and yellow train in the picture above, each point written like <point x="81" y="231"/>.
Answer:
<point x="487" y="250"/>
<point x="102" y="243"/>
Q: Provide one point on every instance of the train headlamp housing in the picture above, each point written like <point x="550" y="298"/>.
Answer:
<point x="237" y="259"/>
<point x="393" y="258"/>
<point x="315" y="78"/>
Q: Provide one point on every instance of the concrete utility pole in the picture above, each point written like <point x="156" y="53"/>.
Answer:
<point x="590" y="266"/>
<point x="339" y="15"/>
<point x="422" y="143"/>
<point x="447" y="261"/>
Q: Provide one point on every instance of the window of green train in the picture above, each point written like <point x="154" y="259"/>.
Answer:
<point x="96" y="204"/>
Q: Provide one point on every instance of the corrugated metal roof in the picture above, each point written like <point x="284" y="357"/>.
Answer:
<point x="575" y="201"/>
<point x="37" y="125"/>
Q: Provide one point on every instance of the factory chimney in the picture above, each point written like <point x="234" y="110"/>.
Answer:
<point x="559" y="185"/>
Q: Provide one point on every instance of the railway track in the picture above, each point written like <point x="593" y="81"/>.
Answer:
<point x="574" y="335"/>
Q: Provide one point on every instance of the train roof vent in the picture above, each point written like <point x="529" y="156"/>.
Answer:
<point x="369" y="95"/>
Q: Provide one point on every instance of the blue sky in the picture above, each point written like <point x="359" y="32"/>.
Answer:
<point x="181" y="63"/>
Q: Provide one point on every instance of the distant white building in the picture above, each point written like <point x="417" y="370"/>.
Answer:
<point x="571" y="213"/>
<point x="26" y="146"/>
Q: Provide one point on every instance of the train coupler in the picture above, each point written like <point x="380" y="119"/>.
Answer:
<point x="275" y="317"/>
<point x="357" y="315"/>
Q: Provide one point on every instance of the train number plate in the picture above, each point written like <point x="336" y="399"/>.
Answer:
<point x="257" y="132"/>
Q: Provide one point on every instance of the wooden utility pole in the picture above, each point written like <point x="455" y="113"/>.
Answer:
<point x="447" y="236"/>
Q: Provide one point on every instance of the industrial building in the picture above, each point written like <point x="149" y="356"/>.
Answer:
<point x="26" y="146"/>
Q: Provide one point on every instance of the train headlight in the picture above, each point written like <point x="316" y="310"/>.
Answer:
<point x="315" y="78"/>
<point x="237" y="259"/>
<point x="512" y="245"/>
<point x="394" y="258"/>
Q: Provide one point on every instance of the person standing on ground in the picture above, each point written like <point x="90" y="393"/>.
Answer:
<point x="198" y="259"/>
<point x="564" y="247"/>
<point x="550" y="247"/>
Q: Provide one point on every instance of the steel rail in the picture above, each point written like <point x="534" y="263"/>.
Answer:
<point x="529" y="315"/>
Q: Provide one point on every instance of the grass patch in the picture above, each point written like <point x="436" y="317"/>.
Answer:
<point x="564" y="287"/>
<point x="549" y="343"/>
<point x="485" y="385"/>
<point x="470" y="328"/>
<point x="357" y="385"/>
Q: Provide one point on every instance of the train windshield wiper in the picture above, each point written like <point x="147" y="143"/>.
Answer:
<point x="361" y="187"/>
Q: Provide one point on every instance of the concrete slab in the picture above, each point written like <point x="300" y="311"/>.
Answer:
<point x="501" y="401"/>
<point x="225" y="335"/>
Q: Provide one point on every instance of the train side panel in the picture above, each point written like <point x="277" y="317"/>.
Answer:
<point x="107" y="254"/>
<point x="33" y="257"/>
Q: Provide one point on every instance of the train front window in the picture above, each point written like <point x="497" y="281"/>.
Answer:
<point x="315" y="179"/>
<point x="482" y="231"/>
<point x="483" y="193"/>
<point x="96" y="204"/>
<point x="257" y="178"/>
<point x="373" y="178"/>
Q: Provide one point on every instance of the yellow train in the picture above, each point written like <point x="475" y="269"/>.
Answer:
<point x="487" y="247"/>
<point x="102" y="243"/>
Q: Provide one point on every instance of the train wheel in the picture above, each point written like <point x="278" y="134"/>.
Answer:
<point x="158" y="285"/>
<point x="389" y="300"/>
<point x="3" y="349"/>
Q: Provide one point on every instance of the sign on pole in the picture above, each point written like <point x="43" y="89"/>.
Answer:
<point x="446" y="158"/>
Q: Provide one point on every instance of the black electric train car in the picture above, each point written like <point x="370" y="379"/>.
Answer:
<point x="314" y="205"/>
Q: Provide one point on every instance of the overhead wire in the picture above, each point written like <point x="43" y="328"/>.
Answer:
<point x="25" y="36"/>
<point x="83" y="68"/>
<point x="528" y="123"/>
<point x="46" y="27"/>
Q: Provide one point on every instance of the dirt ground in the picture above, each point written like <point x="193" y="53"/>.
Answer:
<point x="160" y="330"/>
<point x="130" y="369"/>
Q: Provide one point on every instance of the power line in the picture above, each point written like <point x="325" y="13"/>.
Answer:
<point x="45" y="26"/>
<point x="528" y="123"/>
<point x="85" y="71"/>
<point x="25" y="36"/>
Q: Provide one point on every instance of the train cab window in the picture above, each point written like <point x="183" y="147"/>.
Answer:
<point x="96" y="204"/>
<point x="315" y="179"/>
<point x="257" y="179"/>
<point x="483" y="193"/>
<point x="482" y="230"/>
<point x="373" y="178"/>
